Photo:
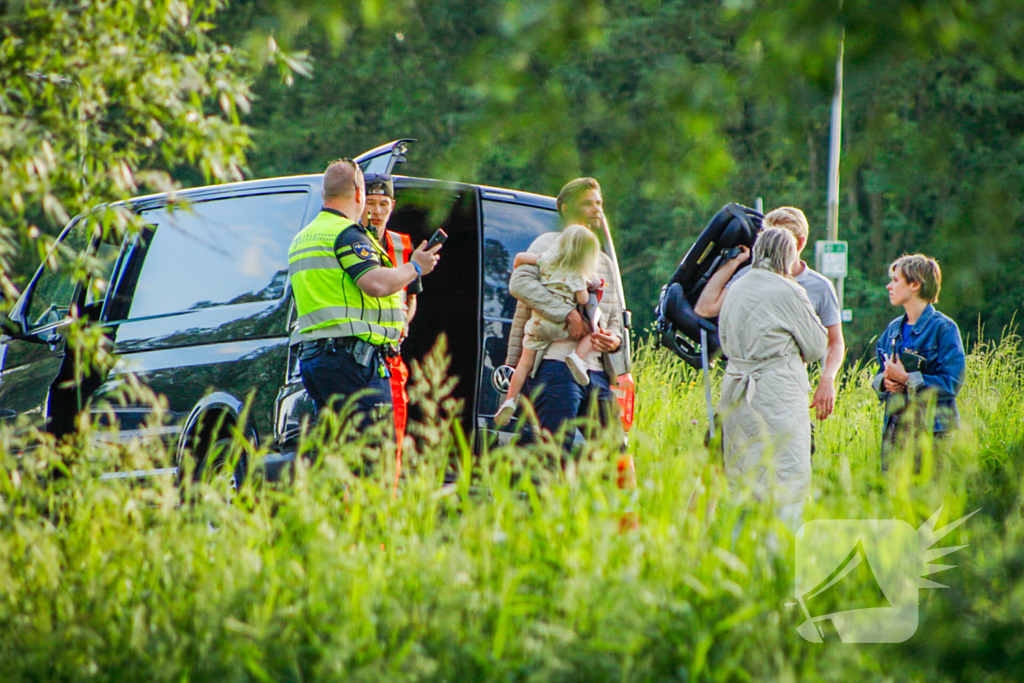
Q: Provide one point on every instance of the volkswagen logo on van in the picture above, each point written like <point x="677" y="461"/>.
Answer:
<point x="501" y="378"/>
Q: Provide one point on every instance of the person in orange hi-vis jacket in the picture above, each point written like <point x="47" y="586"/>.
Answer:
<point x="380" y="202"/>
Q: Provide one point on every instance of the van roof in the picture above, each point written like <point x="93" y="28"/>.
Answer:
<point x="314" y="180"/>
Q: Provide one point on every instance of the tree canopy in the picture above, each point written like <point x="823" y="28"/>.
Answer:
<point x="103" y="99"/>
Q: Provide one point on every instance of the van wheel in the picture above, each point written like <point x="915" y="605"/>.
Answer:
<point x="215" y="466"/>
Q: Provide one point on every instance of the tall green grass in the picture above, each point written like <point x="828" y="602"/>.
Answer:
<point x="517" y="572"/>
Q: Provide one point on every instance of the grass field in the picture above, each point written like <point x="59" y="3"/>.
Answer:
<point x="515" y="573"/>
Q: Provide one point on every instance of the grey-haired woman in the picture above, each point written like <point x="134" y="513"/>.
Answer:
<point x="769" y="331"/>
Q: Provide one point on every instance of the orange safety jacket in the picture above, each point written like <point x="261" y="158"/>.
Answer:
<point x="399" y="249"/>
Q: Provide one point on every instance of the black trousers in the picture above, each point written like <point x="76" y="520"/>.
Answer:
<point x="332" y="376"/>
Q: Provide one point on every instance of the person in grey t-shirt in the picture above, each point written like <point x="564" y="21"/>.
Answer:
<point x="819" y="290"/>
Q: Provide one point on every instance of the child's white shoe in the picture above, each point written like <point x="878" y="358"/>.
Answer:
<point x="578" y="369"/>
<point x="505" y="412"/>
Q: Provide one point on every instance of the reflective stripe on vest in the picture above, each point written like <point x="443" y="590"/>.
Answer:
<point x="328" y="301"/>
<point x="399" y="248"/>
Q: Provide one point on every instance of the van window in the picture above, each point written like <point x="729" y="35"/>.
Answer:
<point x="217" y="252"/>
<point x="65" y="267"/>
<point x="508" y="230"/>
<point x="55" y="285"/>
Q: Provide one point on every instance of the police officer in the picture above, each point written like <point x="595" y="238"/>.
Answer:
<point x="346" y="292"/>
<point x="380" y="202"/>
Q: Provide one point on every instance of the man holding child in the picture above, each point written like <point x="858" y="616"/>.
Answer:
<point x="563" y="397"/>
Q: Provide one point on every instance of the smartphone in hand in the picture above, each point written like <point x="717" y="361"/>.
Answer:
<point x="437" y="238"/>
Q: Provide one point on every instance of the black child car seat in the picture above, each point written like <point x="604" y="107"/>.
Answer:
<point x="678" y="325"/>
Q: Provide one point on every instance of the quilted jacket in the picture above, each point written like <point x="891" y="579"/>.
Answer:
<point x="531" y="294"/>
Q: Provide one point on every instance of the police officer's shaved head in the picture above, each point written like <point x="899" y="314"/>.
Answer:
<point x="341" y="179"/>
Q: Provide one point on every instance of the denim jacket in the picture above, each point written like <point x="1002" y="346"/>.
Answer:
<point x="936" y="338"/>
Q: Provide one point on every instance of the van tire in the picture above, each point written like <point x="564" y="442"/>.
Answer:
<point x="218" y="456"/>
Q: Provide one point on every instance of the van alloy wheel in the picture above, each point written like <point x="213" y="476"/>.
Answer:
<point x="220" y="474"/>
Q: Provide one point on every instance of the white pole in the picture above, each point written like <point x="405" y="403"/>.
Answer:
<point x="707" y="383"/>
<point x="833" y="160"/>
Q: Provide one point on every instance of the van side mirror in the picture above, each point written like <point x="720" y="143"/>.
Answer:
<point x="10" y="327"/>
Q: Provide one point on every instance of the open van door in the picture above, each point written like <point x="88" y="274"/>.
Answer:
<point x="382" y="160"/>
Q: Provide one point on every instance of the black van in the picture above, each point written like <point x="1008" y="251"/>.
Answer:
<point x="198" y="308"/>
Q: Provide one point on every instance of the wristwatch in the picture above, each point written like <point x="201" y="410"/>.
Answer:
<point x="419" y="271"/>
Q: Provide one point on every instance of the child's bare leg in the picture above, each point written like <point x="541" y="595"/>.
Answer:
<point x="523" y="367"/>
<point x="584" y="346"/>
<point x="508" y="408"/>
<point x="577" y="366"/>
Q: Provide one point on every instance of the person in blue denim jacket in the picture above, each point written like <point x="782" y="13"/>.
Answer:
<point x="920" y="353"/>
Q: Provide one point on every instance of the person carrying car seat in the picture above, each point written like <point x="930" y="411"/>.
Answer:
<point x="380" y="202"/>
<point x="819" y="289"/>
<point x="346" y="292"/>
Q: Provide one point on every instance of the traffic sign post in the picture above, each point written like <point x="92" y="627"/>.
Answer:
<point x="830" y="257"/>
<point x="830" y="261"/>
<point x="834" y="147"/>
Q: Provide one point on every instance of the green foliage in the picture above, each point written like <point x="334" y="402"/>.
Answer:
<point x="677" y="107"/>
<point x="515" y="572"/>
<point x="101" y="99"/>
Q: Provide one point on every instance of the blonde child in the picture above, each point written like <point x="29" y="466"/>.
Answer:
<point x="565" y="270"/>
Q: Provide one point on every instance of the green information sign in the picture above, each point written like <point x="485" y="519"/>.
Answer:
<point x="831" y="258"/>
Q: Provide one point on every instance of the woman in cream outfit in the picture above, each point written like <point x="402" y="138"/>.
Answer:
<point x="769" y="331"/>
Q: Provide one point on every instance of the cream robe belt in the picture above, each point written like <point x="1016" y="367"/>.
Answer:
<point x="747" y="372"/>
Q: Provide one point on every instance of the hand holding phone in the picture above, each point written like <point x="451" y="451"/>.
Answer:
<point x="437" y="238"/>
<point x="426" y="256"/>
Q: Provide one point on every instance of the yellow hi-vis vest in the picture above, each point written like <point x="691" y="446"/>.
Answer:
<point x="328" y="301"/>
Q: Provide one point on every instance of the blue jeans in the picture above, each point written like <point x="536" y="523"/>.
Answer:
<point x="560" y="399"/>
<point x="331" y="377"/>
